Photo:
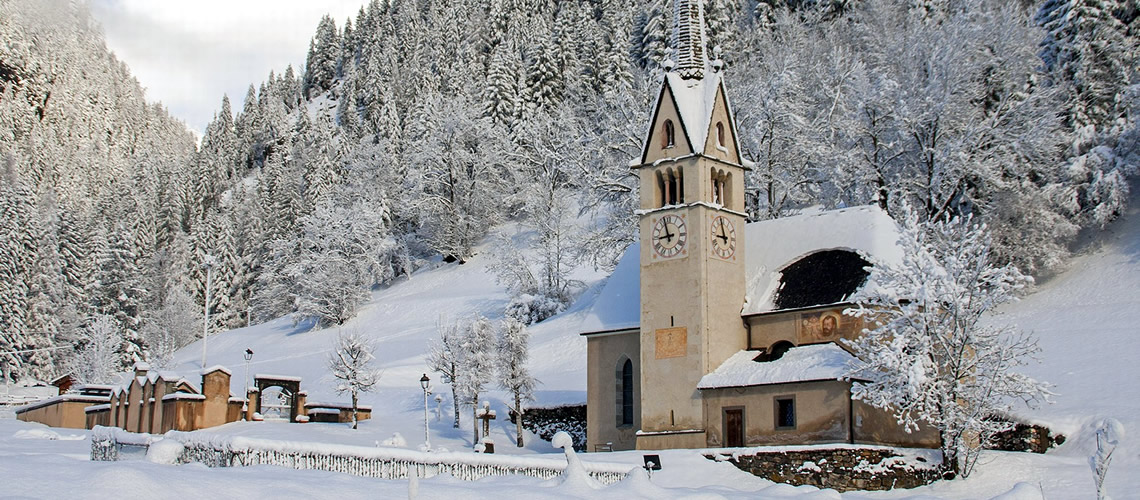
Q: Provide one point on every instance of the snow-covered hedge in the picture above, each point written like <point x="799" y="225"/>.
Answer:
<point x="107" y="442"/>
<point x="545" y="422"/>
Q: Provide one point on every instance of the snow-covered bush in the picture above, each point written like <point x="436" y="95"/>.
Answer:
<point x="396" y="441"/>
<point x="530" y="309"/>
<point x="1108" y="436"/>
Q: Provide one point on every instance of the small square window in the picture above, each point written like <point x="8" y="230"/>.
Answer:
<point x="785" y="413"/>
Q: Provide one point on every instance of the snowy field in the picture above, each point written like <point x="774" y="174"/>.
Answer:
<point x="1086" y="318"/>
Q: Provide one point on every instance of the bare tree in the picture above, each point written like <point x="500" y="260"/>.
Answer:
<point x="351" y="364"/>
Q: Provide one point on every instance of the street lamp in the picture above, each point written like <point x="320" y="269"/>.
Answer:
<point x="424" y="381"/>
<point x="245" y="382"/>
<point x="208" y="263"/>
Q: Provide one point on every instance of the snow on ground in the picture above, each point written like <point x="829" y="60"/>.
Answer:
<point x="1086" y="319"/>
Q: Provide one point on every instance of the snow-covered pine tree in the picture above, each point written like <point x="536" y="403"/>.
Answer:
<point x="544" y="82"/>
<point x="17" y="254"/>
<point x="501" y="100"/>
<point x="721" y="21"/>
<point x="324" y="56"/>
<point x="1087" y="47"/>
<point x="651" y="36"/>
<point x="932" y="359"/>
<point x="351" y="364"/>
<point x="514" y="376"/>
<point x="45" y="291"/>
<point x="120" y="291"/>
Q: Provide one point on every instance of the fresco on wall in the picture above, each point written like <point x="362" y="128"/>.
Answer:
<point x="827" y="326"/>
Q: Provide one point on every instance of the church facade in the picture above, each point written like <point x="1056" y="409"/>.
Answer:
<point x="713" y="332"/>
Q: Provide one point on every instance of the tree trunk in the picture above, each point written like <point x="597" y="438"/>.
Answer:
<point x="455" y="406"/>
<point x="475" y="419"/>
<point x="518" y="418"/>
<point x="353" y="409"/>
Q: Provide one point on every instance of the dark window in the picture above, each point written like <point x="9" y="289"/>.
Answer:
<point x="785" y="413"/>
<point x="720" y="134"/>
<point x="667" y="135"/>
<point x="627" y="393"/>
<point x="826" y="277"/>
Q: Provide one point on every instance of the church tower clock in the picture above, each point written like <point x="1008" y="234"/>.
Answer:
<point x="692" y="240"/>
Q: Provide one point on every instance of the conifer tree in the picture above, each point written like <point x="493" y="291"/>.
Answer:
<point x="324" y="56"/>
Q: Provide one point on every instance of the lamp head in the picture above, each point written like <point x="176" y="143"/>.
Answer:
<point x="424" y="381"/>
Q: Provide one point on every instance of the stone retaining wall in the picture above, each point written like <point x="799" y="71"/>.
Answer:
<point x="842" y="469"/>
<point x="1025" y="437"/>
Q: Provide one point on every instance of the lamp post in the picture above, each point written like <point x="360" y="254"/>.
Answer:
<point x="424" y="381"/>
<point x="208" y="263"/>
<point x="245" y="382"/>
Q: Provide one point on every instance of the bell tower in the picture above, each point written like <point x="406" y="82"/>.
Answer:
<point x="692" y="240"/>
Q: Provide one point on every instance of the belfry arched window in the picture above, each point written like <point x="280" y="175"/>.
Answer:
<point x="668" y="135"/>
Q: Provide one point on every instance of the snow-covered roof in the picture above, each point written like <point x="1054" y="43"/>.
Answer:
<point x="770" y="247"/>
<point x="216" y="368"/>
<point x="618" y="305"/>
<point x="284" y="378"/>
<point x="695" y="99"/>
<point x="799" y="364"/>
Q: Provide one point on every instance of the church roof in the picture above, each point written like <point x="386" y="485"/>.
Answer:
<point x="773" y="245"/>
<point x="618" y="305"/>
<point x="800" y="364"/>
<point x="770" y="247"/>
<point x="695" y="100"/>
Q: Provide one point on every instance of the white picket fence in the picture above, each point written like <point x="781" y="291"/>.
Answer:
<point x="385" y="463"/>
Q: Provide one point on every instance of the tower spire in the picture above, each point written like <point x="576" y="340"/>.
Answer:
<point x="689" y="38"/>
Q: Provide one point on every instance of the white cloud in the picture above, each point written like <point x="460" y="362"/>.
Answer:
<point x="187" y="54"/>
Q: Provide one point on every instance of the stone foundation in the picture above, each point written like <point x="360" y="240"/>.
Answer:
<point x="842" y="469"/>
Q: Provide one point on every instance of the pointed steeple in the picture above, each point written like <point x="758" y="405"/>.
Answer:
<point x="689" y="38"/>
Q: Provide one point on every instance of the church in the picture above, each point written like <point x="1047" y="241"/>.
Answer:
<point x="715" y="332"/>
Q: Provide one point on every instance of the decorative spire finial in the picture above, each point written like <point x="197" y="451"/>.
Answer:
<point x="689" y="38"/>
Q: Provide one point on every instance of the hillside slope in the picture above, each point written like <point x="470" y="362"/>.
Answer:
<point x="1085" y="318"/>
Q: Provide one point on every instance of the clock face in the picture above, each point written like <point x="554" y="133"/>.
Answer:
<point x="669" y="236"/>
<point x="723" y="237"/>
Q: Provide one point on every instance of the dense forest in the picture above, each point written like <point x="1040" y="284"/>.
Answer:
<point x="418" y="126"/>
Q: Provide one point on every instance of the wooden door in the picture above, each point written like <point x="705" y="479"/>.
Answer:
<point x="734" y="427"/>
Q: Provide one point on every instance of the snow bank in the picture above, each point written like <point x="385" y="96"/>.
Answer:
<point x="165" y="451"/>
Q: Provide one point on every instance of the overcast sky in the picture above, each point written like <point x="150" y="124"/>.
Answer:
<point x="188" y="53"/>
